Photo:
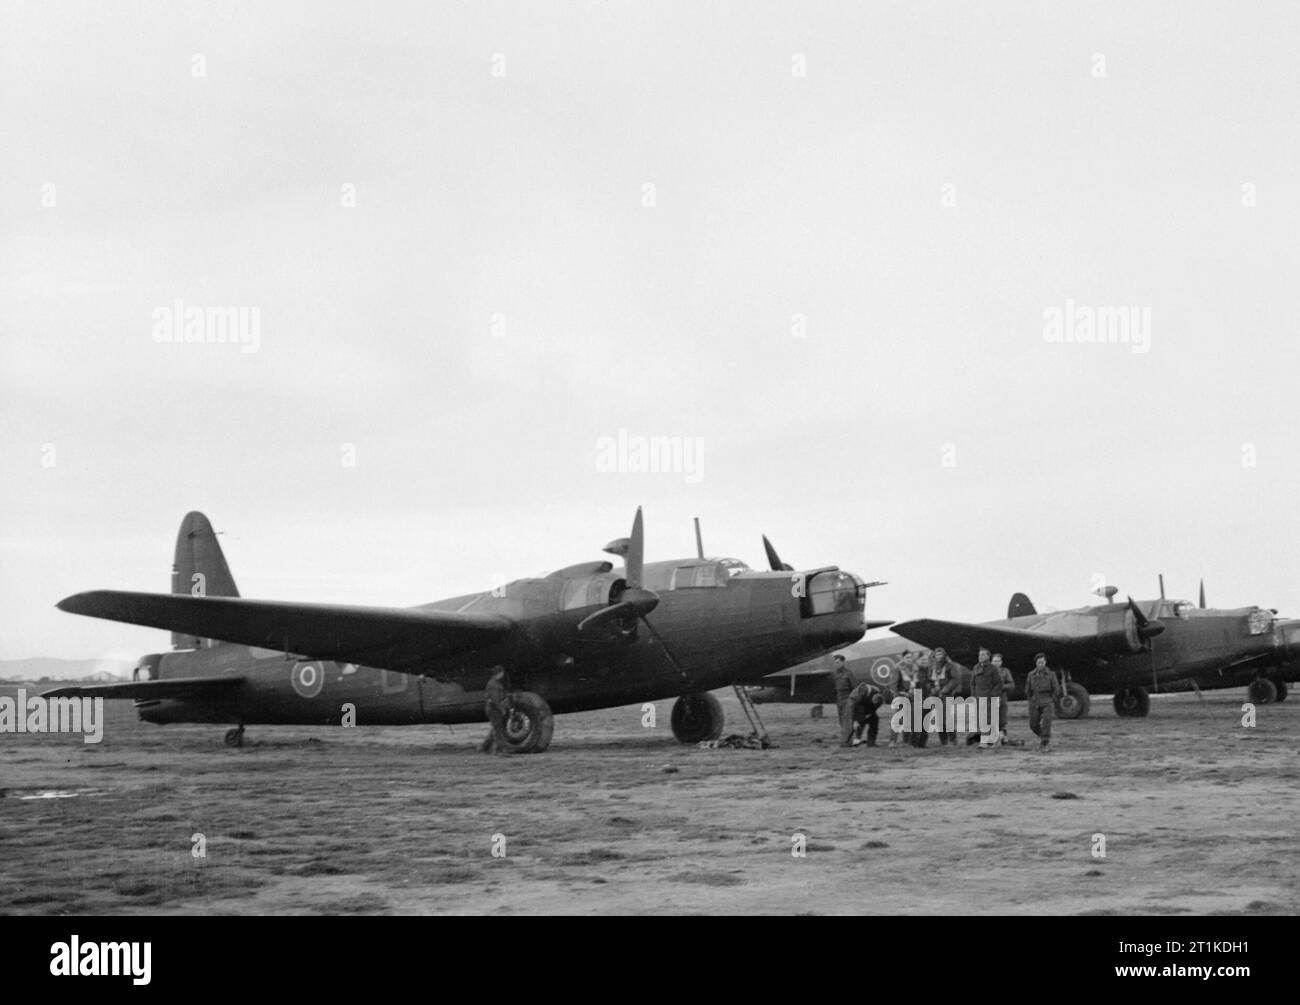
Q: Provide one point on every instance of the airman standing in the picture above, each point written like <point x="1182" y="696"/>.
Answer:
<point x="1042" y="688"/>
<point x="497" y="705"/>
<point x="1004" y="710"/>
<point x="942" y="672"/>
<point x="843" y="687"/>
<point x="986" y="684"/>
<point x="906" y="671"/>
<point x="922" y="681"/>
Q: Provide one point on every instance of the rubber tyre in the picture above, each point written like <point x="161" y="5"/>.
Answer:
<point x="697" y="717"/>
<point x="234" y="738"/>
<point x="1074" y="703"/>
<point x="1132" y="703"/>
<point x="1262" y="691"/>
<point x="529" y="724"/>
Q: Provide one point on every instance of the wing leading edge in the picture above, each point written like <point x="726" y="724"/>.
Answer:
<point x="962" y="641"/>
<point x="391" y="638"/>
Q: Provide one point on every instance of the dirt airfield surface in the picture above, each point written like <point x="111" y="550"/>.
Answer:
<point x="1198" y="814"/>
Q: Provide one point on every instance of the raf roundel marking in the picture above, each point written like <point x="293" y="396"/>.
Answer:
<point x="882" y="669"/>
<point x="308" y="679"/>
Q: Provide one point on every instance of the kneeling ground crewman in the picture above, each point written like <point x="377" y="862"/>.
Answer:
<point x="865" y="701"/>
<point x="1042" y="688"/>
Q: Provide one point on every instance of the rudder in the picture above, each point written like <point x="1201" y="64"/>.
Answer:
<point x="1020" y="606"/>
<point x="199" y="569"/>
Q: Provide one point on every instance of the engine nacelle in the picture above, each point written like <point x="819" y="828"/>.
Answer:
<point x="1117" y="633"/>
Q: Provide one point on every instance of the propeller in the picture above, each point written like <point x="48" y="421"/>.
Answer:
<point x="773" y="559"/>
<point x="634" y="601"/>
<point x="1148" y="628"/>
<point x="1202" y="595"/>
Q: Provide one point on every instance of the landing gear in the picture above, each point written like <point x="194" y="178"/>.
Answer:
<point x="697" y="717"/>
<point x="1074" y="703"/>
<point x="528" y="725"/>
<point x="817" y="712"/>
<point x="1281" y="689"/>
<point x="235" y="737"/>
<point x="1262" y="691"/>
<point x="1132" y="702"/>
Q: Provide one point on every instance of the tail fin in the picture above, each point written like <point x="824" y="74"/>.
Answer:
<point x="1020" y="606"/>
<point x="199" y="569"/>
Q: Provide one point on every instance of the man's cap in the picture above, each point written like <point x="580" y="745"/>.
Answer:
<point x="1040" y="656"/>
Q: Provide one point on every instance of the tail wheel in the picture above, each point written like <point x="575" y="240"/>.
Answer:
<point x="817" y="711"/>
<point x="528" y="725"/>
<point x="697" y="717"/>
<point x="1132" y="702"/>
<point x="1262" y="691"/>
<point x="1074" y="703"/>
<point x="235" y="737"/>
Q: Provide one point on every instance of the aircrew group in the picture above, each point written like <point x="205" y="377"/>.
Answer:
<point x="860" y="703"/>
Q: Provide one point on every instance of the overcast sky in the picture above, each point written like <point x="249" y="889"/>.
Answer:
<point x="841" y="251"/>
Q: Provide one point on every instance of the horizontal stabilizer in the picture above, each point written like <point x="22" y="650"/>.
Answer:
<point x="391" y="638"/>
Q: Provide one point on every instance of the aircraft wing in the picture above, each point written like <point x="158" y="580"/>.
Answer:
<point x="963" y="641"/>
<point x="390" y="638"/>
<point x="172" y="687"/>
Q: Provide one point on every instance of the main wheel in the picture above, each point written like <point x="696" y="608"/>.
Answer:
<point x="697" y="717"/>
<point x="1262" y="691"/>
<point x="529" y="724"/>
<point x="235" y="737"/>
<point x="1281" y="689"/>
<point x="1132" y="702"/>
<point x="1074" y="703"/>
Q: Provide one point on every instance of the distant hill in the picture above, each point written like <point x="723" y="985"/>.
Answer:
<point x="54" y="669"/>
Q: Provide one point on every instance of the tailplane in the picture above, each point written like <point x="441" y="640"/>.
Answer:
<point x="199" y="570"/>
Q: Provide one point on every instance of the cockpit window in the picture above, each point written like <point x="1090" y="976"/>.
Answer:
<point x="688" y="576"/>
<point x="1259" y="621"/>
<point x="1183" y="609"/>
<point x="707" y="573"/>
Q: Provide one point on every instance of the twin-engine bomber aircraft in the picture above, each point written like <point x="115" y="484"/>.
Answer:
<point x="1172" y="645"/>
<point x="584" y="637"/>
<point x="1122" y="649"/>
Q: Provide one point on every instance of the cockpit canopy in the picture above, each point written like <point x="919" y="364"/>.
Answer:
<point x="694" y="574"/>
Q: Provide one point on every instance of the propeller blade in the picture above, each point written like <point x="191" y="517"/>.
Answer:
<point x="612" y="612"/>
<point x="773" y="559"/>
<point x="1162" y="586"/>
<point x="635" y="603"/>
<point x="699" y="541"/>
<point x="1147" y="627"/>
<point x="1202" y="600"/>
<point x="635" y="558"/>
